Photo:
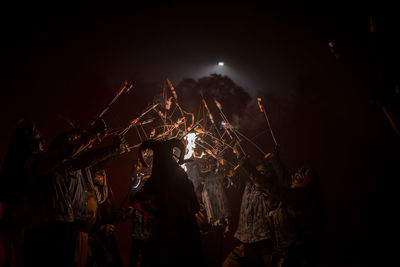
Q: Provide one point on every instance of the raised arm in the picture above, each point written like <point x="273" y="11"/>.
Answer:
<point x="66" y="147"/>
<point x="101" y="158"/>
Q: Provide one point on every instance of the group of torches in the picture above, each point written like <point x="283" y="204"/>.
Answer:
<point x="169" y="120"/>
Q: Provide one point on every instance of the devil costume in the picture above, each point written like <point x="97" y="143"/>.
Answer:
<point x="175" y="238"/>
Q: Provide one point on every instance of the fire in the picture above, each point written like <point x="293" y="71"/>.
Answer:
<point x="190" y="138"/>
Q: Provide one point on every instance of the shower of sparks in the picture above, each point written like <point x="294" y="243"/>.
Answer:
<point x="165" y="119"/>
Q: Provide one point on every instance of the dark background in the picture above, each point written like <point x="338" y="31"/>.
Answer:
<point x="69" y="58"/>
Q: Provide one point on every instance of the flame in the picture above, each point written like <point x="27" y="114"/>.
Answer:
<point x="168" y="103"/>
<point x="260" y="104"/>
<point x="172" y="89"/>
<point x="190" y="138"/>
<point x="217" y="103"/>
<point x="200" y="131"/>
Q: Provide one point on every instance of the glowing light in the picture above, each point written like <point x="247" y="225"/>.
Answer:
<point x="137" y="182"/>
<point x="191" y="144"/>
<point x="221" y="64"/>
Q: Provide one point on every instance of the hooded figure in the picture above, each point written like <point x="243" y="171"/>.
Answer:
<point x="175" y="236"/>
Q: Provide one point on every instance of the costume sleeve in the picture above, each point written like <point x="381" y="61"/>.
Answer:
<point x="96" y="159"/>
<point x="262" y="181"/>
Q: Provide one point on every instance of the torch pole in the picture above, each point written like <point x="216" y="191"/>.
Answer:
<point x="226" y="120"/>
<point x="266" y="155"/>
<point x="135" y="121"/>
<point x="123" y="89"/>
<point x="262" y="109"/>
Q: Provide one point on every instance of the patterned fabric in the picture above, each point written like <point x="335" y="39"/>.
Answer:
<point x="285" y="232"/>
<point x="215" y="200"/>
<point x="254" y="223"/>
<point x="56" y="202"/>
<point x="79" y="183"/>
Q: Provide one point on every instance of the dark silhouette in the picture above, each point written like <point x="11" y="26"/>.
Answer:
<point x="175" y="236"/>
<point x="140" y="215"/>
<point x="64" y="178"/>
<point x="16" y="188"/>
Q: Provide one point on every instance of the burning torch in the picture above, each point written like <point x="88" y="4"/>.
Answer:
<point x="219" y="106"/>
<point x="262" y="109"/>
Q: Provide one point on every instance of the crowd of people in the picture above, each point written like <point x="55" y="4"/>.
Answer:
<point x="57" y="206"/>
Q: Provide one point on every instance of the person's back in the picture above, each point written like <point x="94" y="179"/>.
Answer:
<point x="176" y="231"/>
<point x="176" y="236"/>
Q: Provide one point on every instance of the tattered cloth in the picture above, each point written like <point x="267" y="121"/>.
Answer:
<point x="254" y="223"/>
<point x="215" y="200"/>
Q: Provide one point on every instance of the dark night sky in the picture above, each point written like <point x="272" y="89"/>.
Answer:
<point x="70" y="58"/>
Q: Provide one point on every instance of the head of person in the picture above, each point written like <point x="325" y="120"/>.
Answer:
<point x="165" y="153"/>
<point x="99" y="177"/>
<point x="301" y="177"/>
<point x="265" y="168"/>
<point x="28" y="136"/>
<point x="262" y="169"/>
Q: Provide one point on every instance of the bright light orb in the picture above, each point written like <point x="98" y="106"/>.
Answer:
<point x="221" y="64"/>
